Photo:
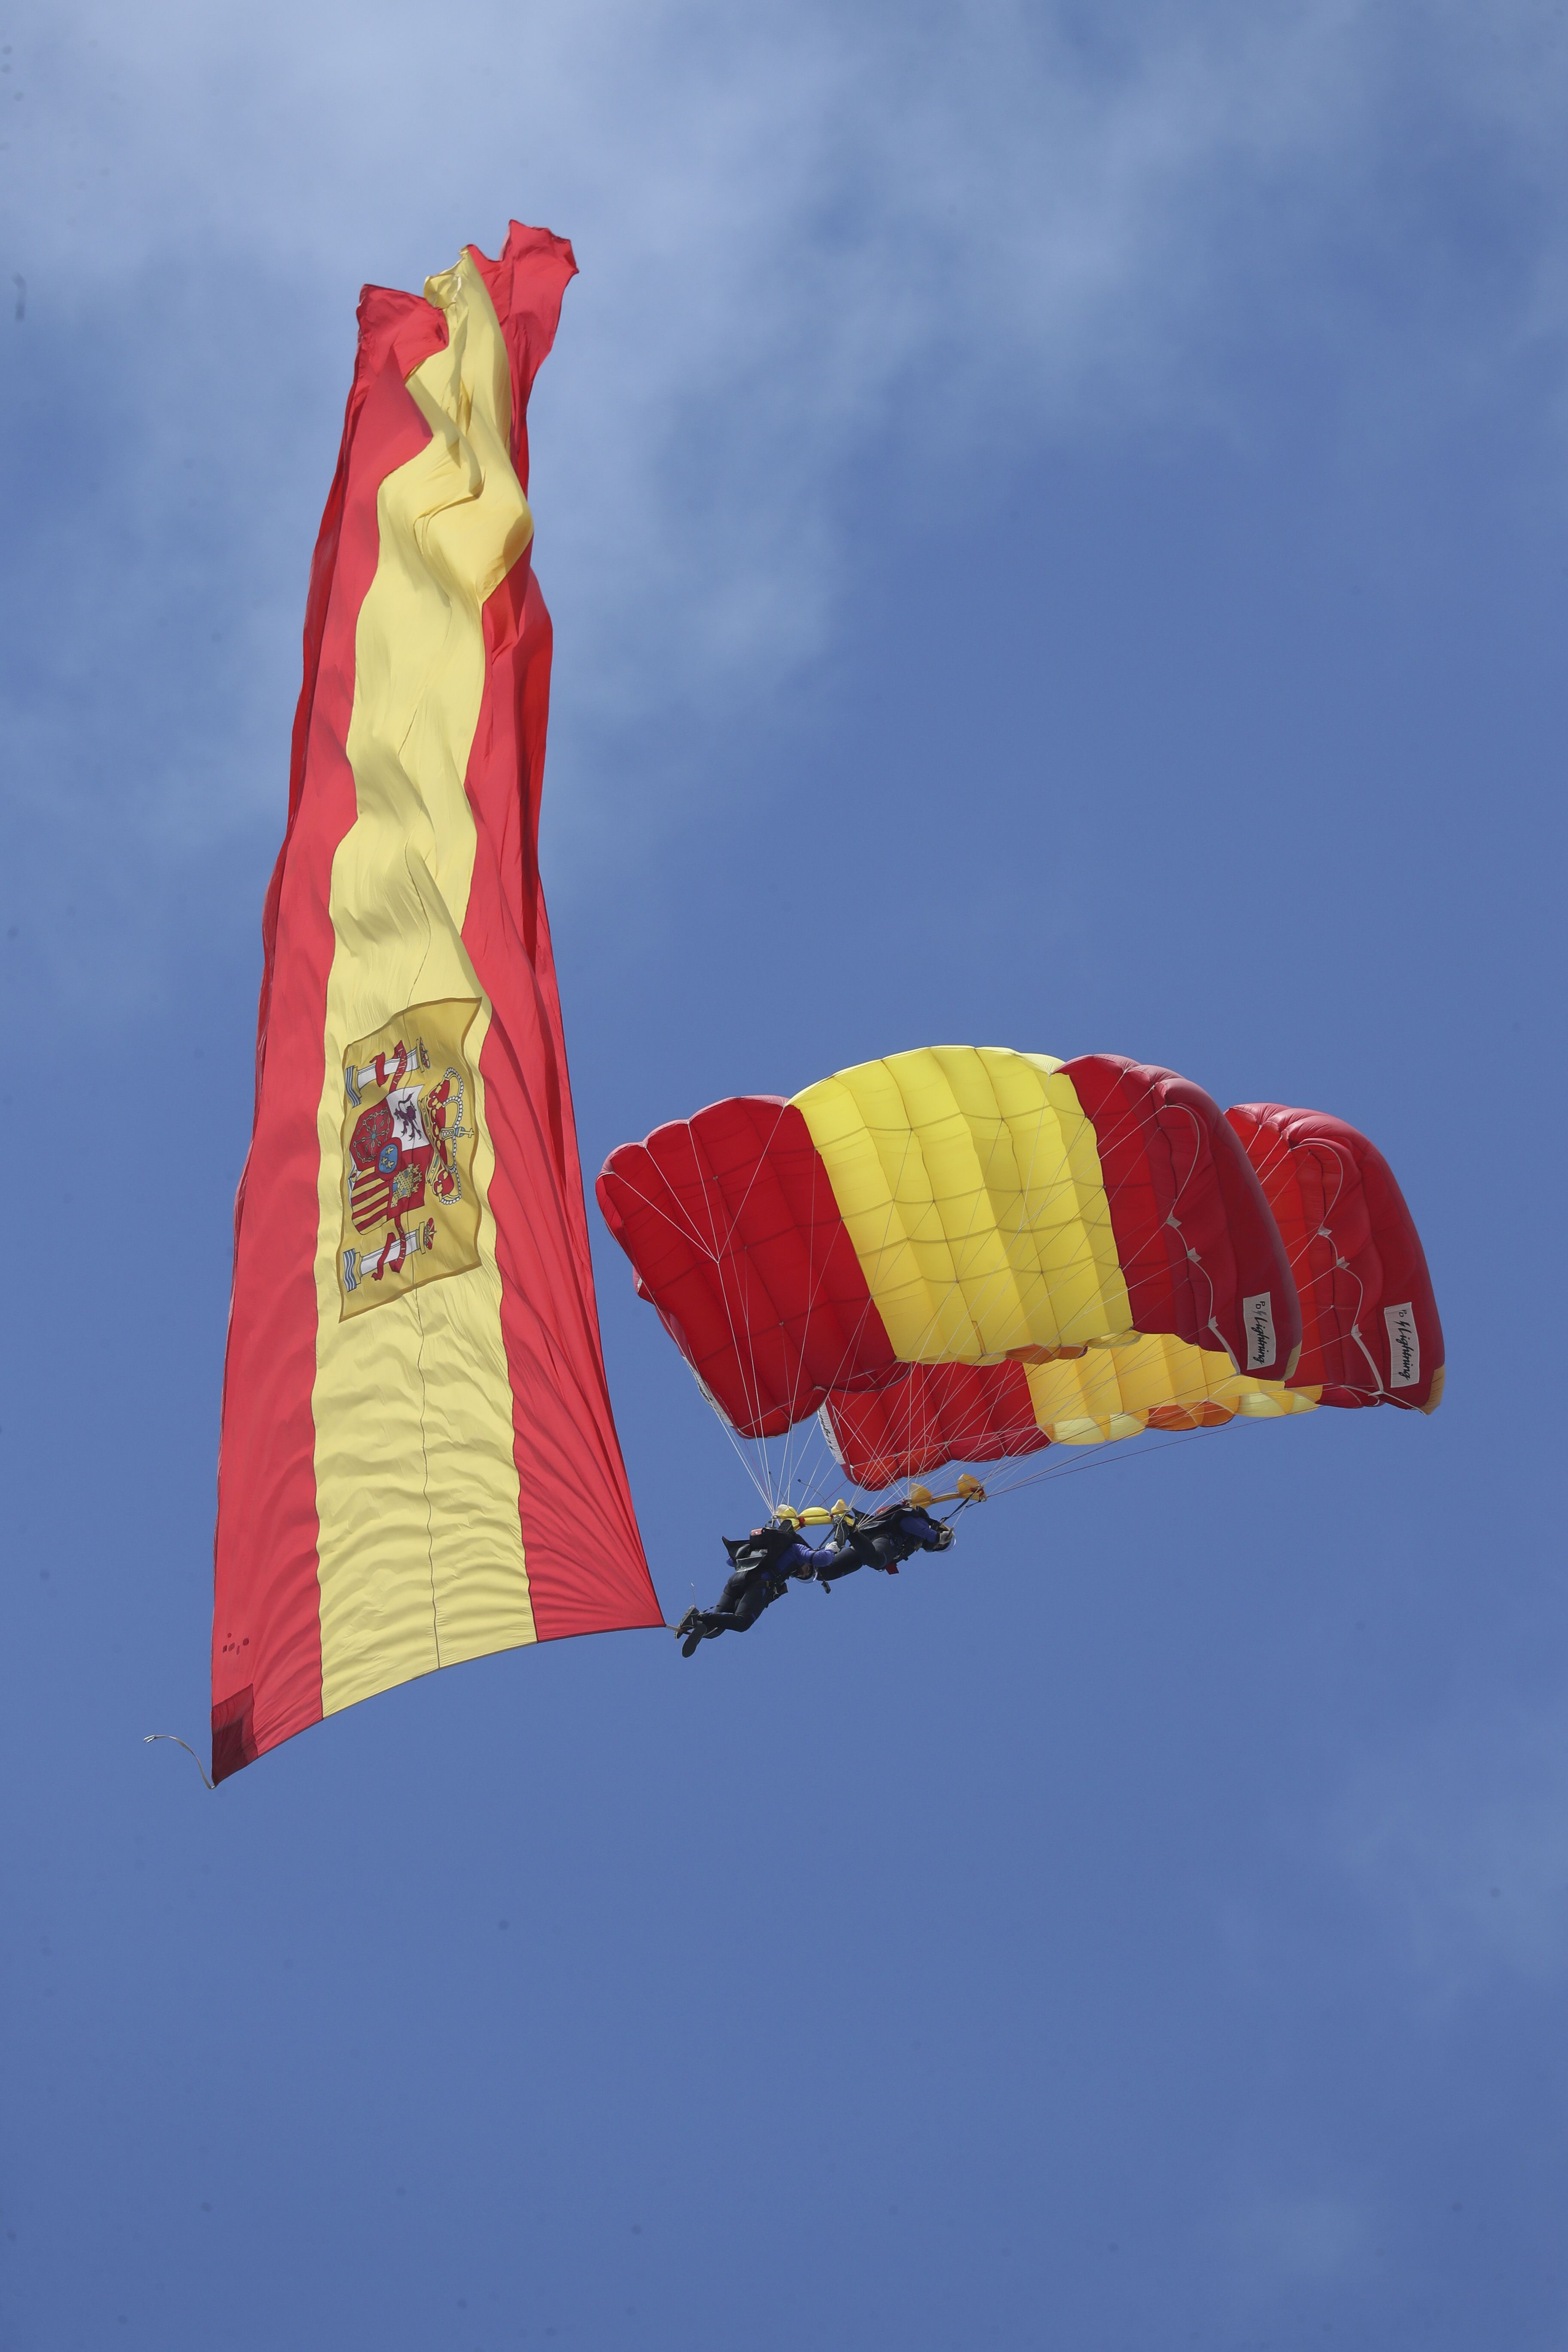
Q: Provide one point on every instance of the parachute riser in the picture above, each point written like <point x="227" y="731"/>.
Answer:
<point x="968" y="1490"/>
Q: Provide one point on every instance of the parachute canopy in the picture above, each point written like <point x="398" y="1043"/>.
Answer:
<point x="965" y="1252"/>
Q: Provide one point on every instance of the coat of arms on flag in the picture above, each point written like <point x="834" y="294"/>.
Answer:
<point x="410" y="1212"/>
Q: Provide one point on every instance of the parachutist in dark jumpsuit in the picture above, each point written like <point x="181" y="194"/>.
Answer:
<point x="762" y="1563"/>
<point x="761" y="1567"/>
<point x="883" y="1539"/>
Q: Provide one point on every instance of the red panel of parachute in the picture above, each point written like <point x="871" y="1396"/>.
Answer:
<point x="933" y="1413"/>
<point x="1194" y="1230"/>
<point x="732" y="1223"/>
<point x="1371" y="1329"/>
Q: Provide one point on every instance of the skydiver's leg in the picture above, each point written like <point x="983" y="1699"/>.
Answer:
<point x="873" y="1551"/>
<point x="761" y="1595"/>
<point x="745" y="1596"/>
<point x="835" y="1563"/>
<point x="705" y="1625"/>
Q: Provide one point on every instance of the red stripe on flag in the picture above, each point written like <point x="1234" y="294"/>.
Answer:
<point x="266" y="1643"/>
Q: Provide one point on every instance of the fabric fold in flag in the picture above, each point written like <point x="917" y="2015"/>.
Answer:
<point x="419" y="1462"/>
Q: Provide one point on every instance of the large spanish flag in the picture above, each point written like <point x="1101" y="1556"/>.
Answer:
<point x="419" y="1463"/>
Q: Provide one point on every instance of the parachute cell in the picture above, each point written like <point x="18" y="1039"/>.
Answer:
<point x="1371" y="1333"/>
<point x="732" y="1227"/>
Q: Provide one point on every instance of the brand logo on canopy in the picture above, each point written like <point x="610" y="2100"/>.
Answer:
<point x="1404" y="1346"/>
<point x="1257" y="1322"/>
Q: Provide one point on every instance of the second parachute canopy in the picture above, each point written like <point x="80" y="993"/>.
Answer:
<point x="965" y="1252"/>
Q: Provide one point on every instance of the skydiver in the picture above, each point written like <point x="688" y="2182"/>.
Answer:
<point x="762" y="1564"/>
<point x="883" y="1538"/>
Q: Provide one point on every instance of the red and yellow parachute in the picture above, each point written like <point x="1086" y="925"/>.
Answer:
<point x="966" y="1254"/>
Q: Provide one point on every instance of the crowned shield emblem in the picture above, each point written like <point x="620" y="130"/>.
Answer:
<point x="410" y="1214"/>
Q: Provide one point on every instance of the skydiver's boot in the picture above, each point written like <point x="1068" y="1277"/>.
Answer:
<point x="691" y="1628"/>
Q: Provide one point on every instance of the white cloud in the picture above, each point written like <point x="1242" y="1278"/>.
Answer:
<point x="810" y="236"/>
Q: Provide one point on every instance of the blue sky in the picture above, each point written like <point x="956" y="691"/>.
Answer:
<point x="1055" y="521"/>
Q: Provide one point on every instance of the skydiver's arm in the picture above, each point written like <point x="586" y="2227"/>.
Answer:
<point x="798" y="1560"/>
<point x="933" y="1534"/>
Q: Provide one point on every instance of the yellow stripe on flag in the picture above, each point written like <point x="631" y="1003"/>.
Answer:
<point x="420" y="1547"/>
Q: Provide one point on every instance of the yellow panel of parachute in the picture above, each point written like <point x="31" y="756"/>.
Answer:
<point x="970" y="1181"/>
